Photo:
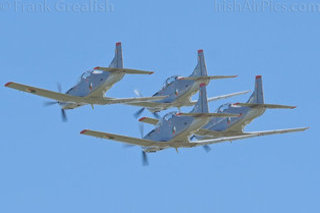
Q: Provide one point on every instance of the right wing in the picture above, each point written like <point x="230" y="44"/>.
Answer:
<point x="203" y="78"/>
<point x="148" y="120"/>
<point x="268" y="106"/>
<point x="209" y="114"/>
<point x="124" y="70"/>
<point x="247" y="135"/>
<point x="191" y="103"/>
<point x="106" y="100"/>
<point x="121" y="138"/>
<point x="76" y="99"/>
<point x="45" y="93"/>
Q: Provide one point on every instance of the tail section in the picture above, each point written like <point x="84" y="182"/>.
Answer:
<point x="257" y="95"/>
<point x="202" y="103"/>
<point x="117" y="61"/>
<point x="201" y="68"/>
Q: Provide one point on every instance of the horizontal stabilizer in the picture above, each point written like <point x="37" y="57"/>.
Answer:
<point x="121" y="138"/>
<point x="148" y="120"/>
<point x="204" y="78"/>
<point x="124" y="70"/>
<point x="247" y="135"/>
<point x="209" y="114"/>
<point x="268" y="106"/>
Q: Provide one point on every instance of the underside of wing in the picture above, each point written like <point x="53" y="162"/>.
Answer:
<point x="150" y="104"/>
<point x="268" y="106"/>
<point x="204" y="78"/>
<point x="247" y="135"/>
<point x="46" y="93"/>
<point x="121" y="138"/>
<point x="138" y="100"/>
<point x="124" y="70"/>
<point x="216" y="98"/>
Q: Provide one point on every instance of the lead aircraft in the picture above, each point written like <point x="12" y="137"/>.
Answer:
<point x="175" y="129"/>
<point x="179" y="89"/>
<point x="91" y="87"/>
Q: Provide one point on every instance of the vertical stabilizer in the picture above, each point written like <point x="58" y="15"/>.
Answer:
<point x="201" y="68"/>
<point x="257" y="95"/>
<point x="117" y="61"/>
<point x="202" y="103"/>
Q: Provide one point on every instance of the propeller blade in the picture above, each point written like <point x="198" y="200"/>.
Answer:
<point x="63" y="115"/>
<point x="144" y="159"/>
<point x="156" y="115"/>
<point x="138" y="93"/>
<point x="139" y="112"/>
<point x="207" y="148"/>
<point x="59" y="87"/>
<point x="141" y="129"/>
<point x="49" y="103"/>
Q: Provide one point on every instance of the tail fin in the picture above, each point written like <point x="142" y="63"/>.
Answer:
<point x="257" y="95"/>
<point x="201" y="68"/>
<point x="117" y="61"/>
<point x="202" y="103"/>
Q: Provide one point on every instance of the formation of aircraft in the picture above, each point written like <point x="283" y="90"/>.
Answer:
<point x="176" y="129"/>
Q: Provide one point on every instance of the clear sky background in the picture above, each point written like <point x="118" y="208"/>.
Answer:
<point x="47" y="166"/>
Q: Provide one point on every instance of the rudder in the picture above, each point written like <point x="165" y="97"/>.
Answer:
<point x="117" y="61"/>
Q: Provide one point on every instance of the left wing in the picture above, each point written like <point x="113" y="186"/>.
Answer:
<point x="121" y="138"/>
<point x="124" y="70"/>
<point x="268" y="106"/>
<point x="247" y="135"/>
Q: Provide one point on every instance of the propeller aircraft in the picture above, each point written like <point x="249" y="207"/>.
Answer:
<point x="91" y="87"/>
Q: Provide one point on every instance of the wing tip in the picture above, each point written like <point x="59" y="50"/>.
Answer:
<point x="151" y="72"/>
<point x="118" y="43"/>
<point x="8" y="84"/>
<point x="143" y="118"/>
<point x="83" y="131"/>
<point x="96" y="68"/>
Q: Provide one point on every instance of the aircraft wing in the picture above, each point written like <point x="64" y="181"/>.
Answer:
<point x="247" y="135"/>
<point x="203" y="78"/>
<point x="148" y="120"/>
<point x="76" y="99"/>
<point x="269" y="106"/>
<point x="124" y="70"/>
<point x="107" y="100"/>
<point x="45" y="93"/>
<point x="151" y="104"/>
<point x="191" y="103"/>
<point x="209" y="114"/>
<point x="121" y="138"/>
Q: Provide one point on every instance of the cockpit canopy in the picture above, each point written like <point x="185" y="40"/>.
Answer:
<point x="170" y="80"/>
<point x="223" y="107"/>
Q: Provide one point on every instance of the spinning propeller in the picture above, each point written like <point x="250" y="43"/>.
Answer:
<point x="49" y="103"/>
<point x="140" y="111"/>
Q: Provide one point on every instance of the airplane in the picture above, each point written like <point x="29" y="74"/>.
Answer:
<point x="253" y="108"/>
<point x="179" y="90"/>
<point x="91" y="87"/>
<point x="174" y="130"/>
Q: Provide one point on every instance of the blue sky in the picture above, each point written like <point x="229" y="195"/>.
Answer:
<point x="47" y="166"/>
